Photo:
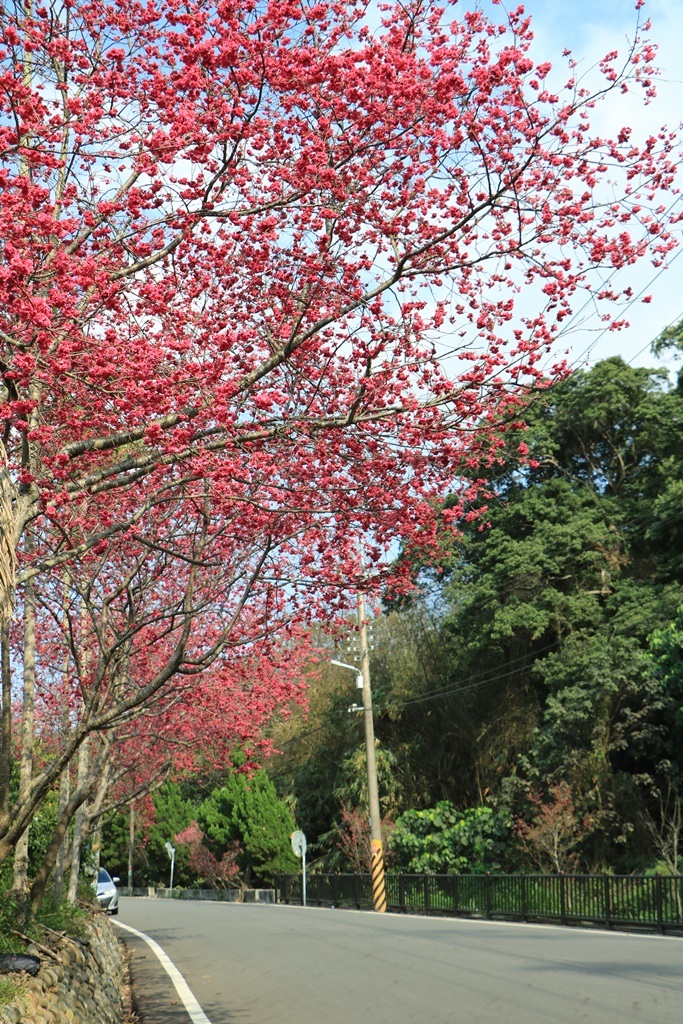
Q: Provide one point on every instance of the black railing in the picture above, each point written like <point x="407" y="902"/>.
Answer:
<point x="649" y="901"/>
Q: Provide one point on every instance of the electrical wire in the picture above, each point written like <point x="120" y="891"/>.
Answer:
<point x="438" y="694"/>
<point x="586" y="352"/>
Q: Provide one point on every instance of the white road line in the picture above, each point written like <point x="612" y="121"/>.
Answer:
<point x="476" y="922"/>
<point x="182" y="988"/>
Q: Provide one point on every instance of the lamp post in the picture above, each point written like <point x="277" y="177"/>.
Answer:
<point x="379" y="897"/>
<point x="170" y="850"/>
<point x="359" y="676"/>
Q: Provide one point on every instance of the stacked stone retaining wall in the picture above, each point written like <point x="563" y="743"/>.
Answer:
<point x="85" y="986"/>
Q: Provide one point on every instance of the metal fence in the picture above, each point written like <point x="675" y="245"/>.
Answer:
<point x="654" y="902"/>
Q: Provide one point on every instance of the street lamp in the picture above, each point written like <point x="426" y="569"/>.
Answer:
<point x="352" y="668"/>
<point x="170" y="850"/>
<point x="379" y="897"/>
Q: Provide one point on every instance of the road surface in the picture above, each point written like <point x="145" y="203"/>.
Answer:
<point x="251" y="964"/>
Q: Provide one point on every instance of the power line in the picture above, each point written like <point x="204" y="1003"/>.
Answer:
<point x="675" y="320"/>
<point x="635" y="298"/>
<point x="429" y="696"/>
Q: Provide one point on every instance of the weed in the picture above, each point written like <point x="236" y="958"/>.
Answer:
<point x="11" y="917"/>
<point x="9" y="990"/>
<point x="15" y="916"/>
<point x="62" y="916"/>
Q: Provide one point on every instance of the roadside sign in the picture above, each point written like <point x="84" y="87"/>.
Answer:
<point x="299" y="843"/>
<point x="299" y="846"/>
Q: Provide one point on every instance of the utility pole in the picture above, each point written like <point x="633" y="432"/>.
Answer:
<point x="379" y="895"/>
<point x="131" y="847"/>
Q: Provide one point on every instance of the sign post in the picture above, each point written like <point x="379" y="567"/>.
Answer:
<point x="299" y="846"/>
<point x="170" y="850"/>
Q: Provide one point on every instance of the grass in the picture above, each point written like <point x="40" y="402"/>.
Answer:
<point x="59" y="916"/>
<point x="63" y="917"/>
<point x="9" y="990"/>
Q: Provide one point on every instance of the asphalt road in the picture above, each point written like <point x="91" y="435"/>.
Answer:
<point x="250" y="964"/>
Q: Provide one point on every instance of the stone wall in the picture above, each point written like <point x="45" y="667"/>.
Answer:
<point x="85" y="986"/>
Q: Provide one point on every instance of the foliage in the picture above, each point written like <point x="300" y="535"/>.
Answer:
<point x="553" y="837"/>
<point x="543" y="646"/>
<point x="230" y="234"/>
<point x="309" y="747"/>
<point x="442" y="840"/>
<point x="353" y="789"/>
<point x="15" y="913"/>
<point x="348" y="843"/>
<point x="666" y="651"/>
<point x="240" y="827"/>
<point x="670" y="338"/>
<point x="172" y="814"/>
<point x="547" y="613"/>
<point x="216" y="874"/>
<point x="9" y="990"/>
<point x="353" y="841"/>
<point x="169" y="813"/>
<point x="11" y="913"/>
<point x="61" y="915"/>
<point x="248" y="812"/>
<point x="319" y="760"/>
<point x="666" y="829"/>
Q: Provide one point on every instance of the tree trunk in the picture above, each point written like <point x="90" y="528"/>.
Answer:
<point x="20" y="868"/>
<point x="92" y="810"/>
<point x="94" y="814"/>
<point x="79" y="830"/>
<point x="5" y="725"/>
<point x="65" y="777"/>
<point x="98" y="777"/>
<point x="40" y="881"/>
<point x="64" y="787"/>
<point x="20" y="875"/>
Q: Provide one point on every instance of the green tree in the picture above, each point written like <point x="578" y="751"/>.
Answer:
<point x="171" y="813"/>
<point x="666" y="651"/>
<point x="247" y="809"/>
<point x="524" y="660"/>
<point x="442" y="840"/>
<point x="547" y="603"/>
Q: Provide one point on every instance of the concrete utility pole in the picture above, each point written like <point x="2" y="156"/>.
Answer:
<point x="379" y="896"/>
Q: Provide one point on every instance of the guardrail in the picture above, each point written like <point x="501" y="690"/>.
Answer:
<point x="624" y="901"/>
<point x="219" y="895"/>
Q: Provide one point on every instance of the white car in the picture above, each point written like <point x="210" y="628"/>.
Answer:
<point x="107" y="893"/>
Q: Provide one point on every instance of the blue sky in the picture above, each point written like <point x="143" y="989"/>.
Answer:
<point x="590" y="28"/>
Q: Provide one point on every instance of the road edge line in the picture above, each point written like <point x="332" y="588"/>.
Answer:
<point x="184" y="991"/>
<point x="552" y="926"/>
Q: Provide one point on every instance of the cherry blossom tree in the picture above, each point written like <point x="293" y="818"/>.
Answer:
<point x="231" y="235"/>
<point x="196" y="725"/>
<point x="214" y="872"/>
<point x="553" y="837"/>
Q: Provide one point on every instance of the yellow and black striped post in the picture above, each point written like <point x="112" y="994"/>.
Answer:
<point x="379" y="892"/>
